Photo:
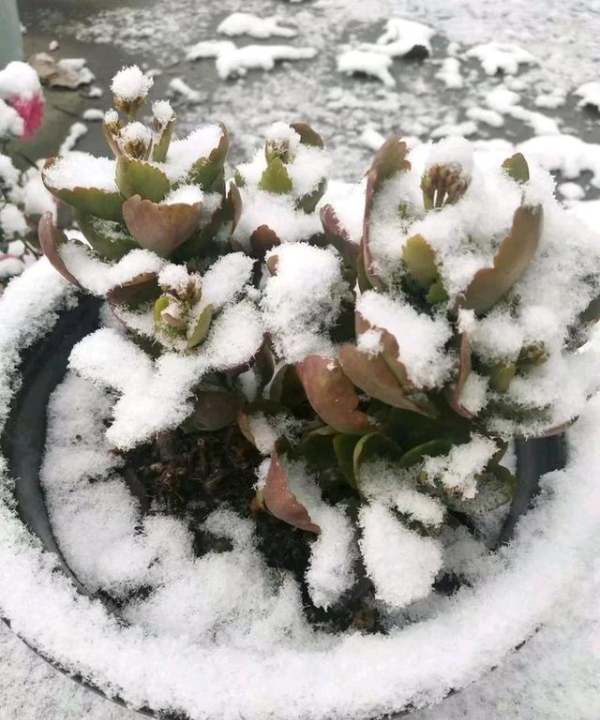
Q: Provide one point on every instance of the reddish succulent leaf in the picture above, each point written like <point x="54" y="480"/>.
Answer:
<point x="308" y="136"/>
<point x="464" y="370"/>
<point x="214" y="409"/>
<point x="160" y="228"/>
<point x="390" y="351"/>
<point x="390" y="355"/>
<point x="140" y="289"/>
<point x="234" y="201"/>
<point x="262" y="240"/>
<point x="512" y="259"/>
<point x="337" y="235"/>
<point x="332" y="395"/>
<point x="50" y="238"/>
<point x="372" y="374"/>
<point x="281" y="501"/>
<point x="389" y="160"/>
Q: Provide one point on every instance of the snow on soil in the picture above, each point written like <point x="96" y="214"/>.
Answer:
<point x="545" y="565"/>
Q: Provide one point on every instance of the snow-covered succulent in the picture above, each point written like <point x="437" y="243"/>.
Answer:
<point x="376" y="375"/>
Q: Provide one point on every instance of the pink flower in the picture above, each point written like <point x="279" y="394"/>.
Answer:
<point x="32" y="112"/>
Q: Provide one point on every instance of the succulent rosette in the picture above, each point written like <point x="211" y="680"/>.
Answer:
<point x="280" y="189"/>
<point x="375" y="348"/>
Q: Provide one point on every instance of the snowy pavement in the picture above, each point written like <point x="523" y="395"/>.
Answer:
<point x="556" y="675"/>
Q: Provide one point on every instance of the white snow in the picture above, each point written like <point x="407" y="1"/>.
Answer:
<point x="402" y="35"/>
<point x="131" y="83"/>
<point x="450" y="73"/>
<point x="241" y="23"/>
<point x="420" y="338"/>
<point x="501" y="57"/>
<point x="401" y="563"/>
<point x="589" y="93"/>
<point x="232" y="61"/>
<point x="179" y="86"/>
<point x="458" y="470"/>
<point x="79" y="169"/>
<point x="18" y="79"/>
<point x="302" y="300"/>
<point x="367" y="62"/>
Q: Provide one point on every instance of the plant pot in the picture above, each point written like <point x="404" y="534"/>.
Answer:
<point x="23" y="441"/>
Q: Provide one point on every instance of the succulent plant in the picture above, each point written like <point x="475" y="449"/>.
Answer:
<point x="159" y="193"/>
<point x="376" y="359"/>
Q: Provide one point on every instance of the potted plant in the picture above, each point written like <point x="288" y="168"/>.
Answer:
<point x="279" y="477"/>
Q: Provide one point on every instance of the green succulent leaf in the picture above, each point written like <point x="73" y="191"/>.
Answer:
<point x="501" y="375"/>
<point x="110" y="240"/>
<point x="517" y="168"/>
<point x="419" y="259"/>
<point x="88" y="200"/>
<point x="437" y="293"/>
<point x="373" y="446"/>
<point x="275" y="178"/>
<point x="343" y="446"/>
<point x="432" y="448"/>
<point x="201" y="328"/>
<point x="139" y="177"/>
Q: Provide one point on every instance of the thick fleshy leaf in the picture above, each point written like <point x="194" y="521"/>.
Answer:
<point x="419" y="259"/>
<point x="373" y="446"/>
<point x="275" y="178"/>
<point x="234" y="206"/>
<point x="512" y="260"/>
<point x="337" y="235"/>
<point x="201" y="328"/>
<point x="308" y="136"/>
<point x="109" y="239"/>
<point x="332" y="395"/>
<point x="161" y="147"/>
<point x="262" y="240"/>
<point x="501" y="375"/>
<point x="207" y="172"/>
<point x="214" y="410"/>
<point x="160" y="228"/>
<point x="309" y="202"/>
<point x="372" y="374"/>
<point x="464" y="370"/>
<point x="432" y="448"/>
<point x="88" y="200"/>
<point x="343" y="446"/>
<point x="517" y="168"/>
<point x="281" y="501"/>
<point x="389" y="160"/>
<point x="138" y="177"/>
<point x="142" y="289"/>
<point x="50" y="238"/>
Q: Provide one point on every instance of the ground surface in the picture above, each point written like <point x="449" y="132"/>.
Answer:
<point x="557" y="674"/>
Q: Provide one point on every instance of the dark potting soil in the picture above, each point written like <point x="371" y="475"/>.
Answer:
<point x="190" y="475"/>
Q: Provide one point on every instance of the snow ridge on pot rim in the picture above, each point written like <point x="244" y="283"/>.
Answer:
<point x="356" y="676"/>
